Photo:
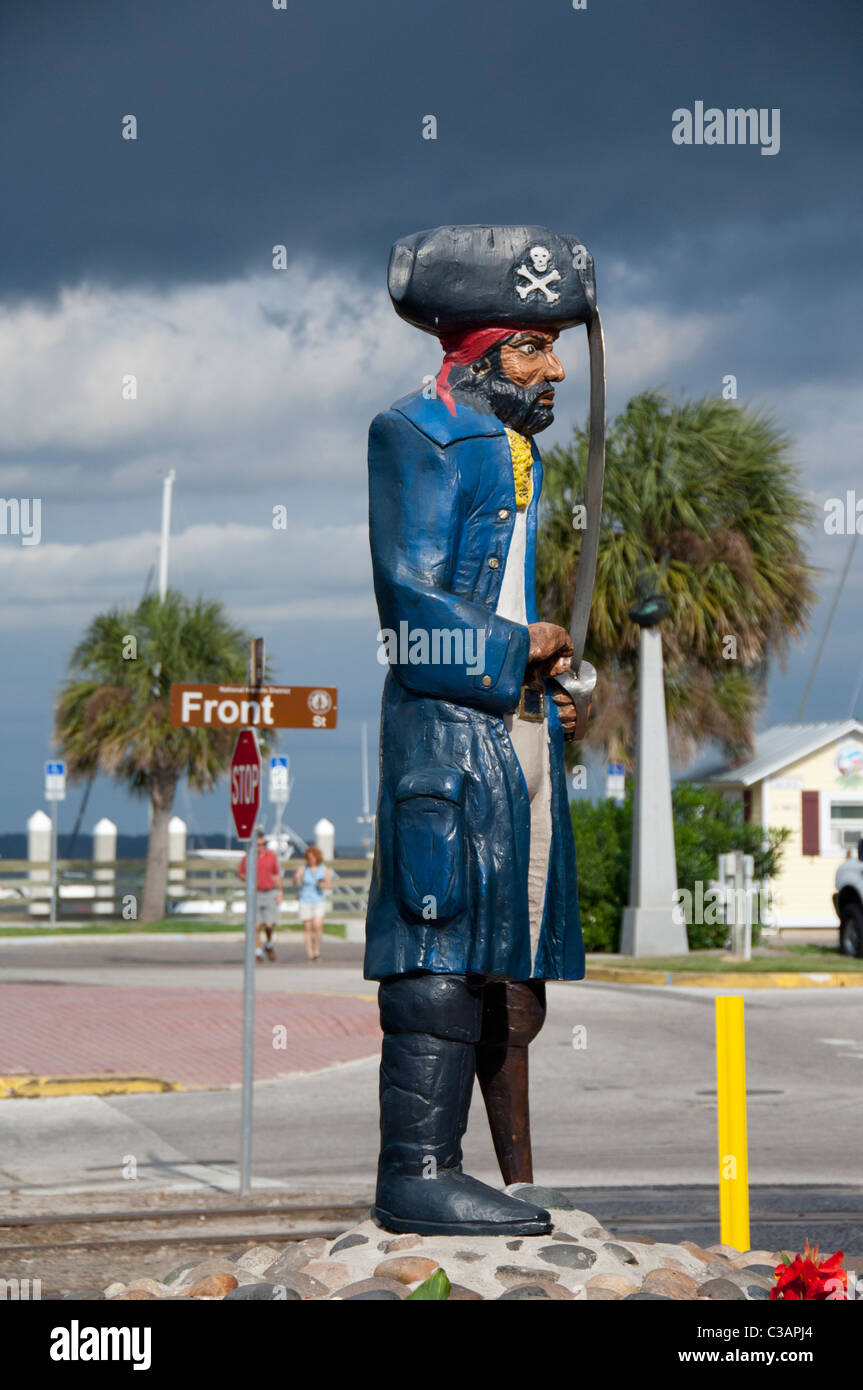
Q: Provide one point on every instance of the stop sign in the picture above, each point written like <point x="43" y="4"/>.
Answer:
<point x="245" y="783"/>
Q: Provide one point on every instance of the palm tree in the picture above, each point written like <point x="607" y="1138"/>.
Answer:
<point x="112" y="714"/>
<point x="702" y="498"/>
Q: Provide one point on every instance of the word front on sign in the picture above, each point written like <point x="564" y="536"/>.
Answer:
<point x="268" y="707"/>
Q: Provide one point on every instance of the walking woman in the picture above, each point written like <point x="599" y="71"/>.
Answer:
<point x="314" y="881"/>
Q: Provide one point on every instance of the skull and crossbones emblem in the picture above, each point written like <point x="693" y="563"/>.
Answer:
<point x="540" y="257"/>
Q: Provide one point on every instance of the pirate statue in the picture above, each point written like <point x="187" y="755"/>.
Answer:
<point x="473" y="901"/>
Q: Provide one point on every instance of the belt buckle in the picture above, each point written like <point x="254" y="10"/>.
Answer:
<point x="531" y="704"/>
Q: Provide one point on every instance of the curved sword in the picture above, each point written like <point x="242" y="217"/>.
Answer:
<point x="579" y="682"/>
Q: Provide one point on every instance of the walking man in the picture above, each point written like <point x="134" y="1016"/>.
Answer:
<point x="268" y="897"/>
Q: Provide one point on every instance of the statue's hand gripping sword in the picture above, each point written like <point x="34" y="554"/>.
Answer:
<point x="580" y="680"/>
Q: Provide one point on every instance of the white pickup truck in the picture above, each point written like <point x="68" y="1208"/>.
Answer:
<point x="848" y="902"/>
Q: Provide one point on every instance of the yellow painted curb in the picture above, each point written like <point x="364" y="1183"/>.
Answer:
<point x="790" y="979"/>
<point x="31" y="1087"/>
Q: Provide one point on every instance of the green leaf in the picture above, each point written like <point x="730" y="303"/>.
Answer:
<point x="785" y="1258"/>
<point x="436" y="1287"/>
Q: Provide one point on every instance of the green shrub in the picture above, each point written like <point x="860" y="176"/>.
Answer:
<point x="602" y="834"/>
<point x="706" y="824"/>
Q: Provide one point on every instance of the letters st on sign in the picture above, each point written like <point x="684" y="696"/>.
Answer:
<point x="205" y="706"/>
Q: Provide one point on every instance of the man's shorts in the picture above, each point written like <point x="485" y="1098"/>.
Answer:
<point x="267" y="906"/>
<point x="310" y="910"/>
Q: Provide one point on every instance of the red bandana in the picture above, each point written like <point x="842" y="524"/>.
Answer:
<point x="463" y="347"/>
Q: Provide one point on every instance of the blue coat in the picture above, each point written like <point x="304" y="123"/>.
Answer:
<point x="449" y="881"/>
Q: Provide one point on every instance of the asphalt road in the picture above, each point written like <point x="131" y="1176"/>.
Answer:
<point x="627" y="1118"/>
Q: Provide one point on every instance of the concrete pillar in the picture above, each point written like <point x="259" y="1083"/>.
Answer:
<point x="649" y="928"/>
<point x="325" y="838"/>
<point x="104" y="852"/>
<point x="177" y="852"/>
<point x="39" y="852"/>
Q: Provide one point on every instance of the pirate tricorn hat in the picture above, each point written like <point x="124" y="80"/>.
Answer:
<point x="475" y="277"/>
<point x="455" y="278"/>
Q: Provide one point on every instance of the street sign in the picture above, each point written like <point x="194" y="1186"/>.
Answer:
<point x="55" y="781"/>
<point x="245" y="783"/>
<point x="205" y="706"/>
<point x="280" y="781"/>
<point x="615" y="781"/>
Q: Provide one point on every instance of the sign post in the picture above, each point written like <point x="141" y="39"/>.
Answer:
<point x="55" y="790"/>
<point x="204" y="705"/>
<point x="615" y="782"/>
<point x="245" y="804"/>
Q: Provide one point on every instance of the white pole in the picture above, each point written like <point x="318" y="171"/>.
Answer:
<point x="748" y="872"/>
<point x="167" y="488"/>
<point x="53" y="917"/>
<point x="366" y="819"/>
<point x="649" y="926"/>
<point x="365" y="747"/>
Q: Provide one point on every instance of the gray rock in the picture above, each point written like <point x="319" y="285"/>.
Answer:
<point x="568" y="1256"/>
<point x="347" y="1242"/>
<point x="373" y="1296"/>
<point x="374" y="1287"/>
<point x="766" y="1271"/>
<point x="755" y="1291"/>
<point x="523" y="1294"/>
<point x="83" y="1296"/>
<point x="181" y="1269"/>
<point x="654" y="1297"/>
<point x="470" y="1256"/>
<point x="514" y="1244"/>
<point x="620" y="1252"/>
<point x="722" y="1289"/>
<point x="541" y="1196"/>
<point x="264" y="1292"/>
<point x="514" y="1276"/>
<point x="564" y="1236"/>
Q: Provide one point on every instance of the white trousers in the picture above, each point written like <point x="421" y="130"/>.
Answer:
<point x="530" y="741"/>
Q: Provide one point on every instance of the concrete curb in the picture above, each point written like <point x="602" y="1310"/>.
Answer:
<point x="742" y="979"/>
<point x="30" y="1087"/>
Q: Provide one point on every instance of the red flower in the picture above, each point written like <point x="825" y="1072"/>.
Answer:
<point x="808" y="1278"/>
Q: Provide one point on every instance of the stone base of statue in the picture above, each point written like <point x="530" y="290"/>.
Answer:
<point x="578" y="1259"/>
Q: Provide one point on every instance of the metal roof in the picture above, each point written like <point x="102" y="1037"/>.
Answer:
<point x="780" y="745"/>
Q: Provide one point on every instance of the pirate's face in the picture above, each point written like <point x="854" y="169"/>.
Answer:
<point x="514" y="380"/>
<point x="529" y="359"/>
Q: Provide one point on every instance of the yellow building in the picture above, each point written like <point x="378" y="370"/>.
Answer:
<point x="808" y="777"/>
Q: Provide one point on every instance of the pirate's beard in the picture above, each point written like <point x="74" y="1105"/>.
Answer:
<point x="485" y="386"/>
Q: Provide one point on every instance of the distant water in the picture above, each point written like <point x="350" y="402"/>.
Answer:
<point x="135" y="846"/>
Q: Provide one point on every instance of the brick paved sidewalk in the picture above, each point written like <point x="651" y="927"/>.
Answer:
<point x="190" y="1036"/>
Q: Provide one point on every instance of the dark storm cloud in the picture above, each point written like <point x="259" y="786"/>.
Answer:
<point x="302" y="127"/>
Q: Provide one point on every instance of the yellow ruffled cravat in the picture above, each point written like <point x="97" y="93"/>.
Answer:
<point x="522" y="468"/>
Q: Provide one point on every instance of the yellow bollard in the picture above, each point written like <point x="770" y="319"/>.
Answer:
<point x="731" y="1108"/>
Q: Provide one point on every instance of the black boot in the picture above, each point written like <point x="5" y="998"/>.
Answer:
<point x="431" y="1024"/>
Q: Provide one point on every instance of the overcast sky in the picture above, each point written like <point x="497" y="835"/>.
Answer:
<point x="303" y="127"/>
